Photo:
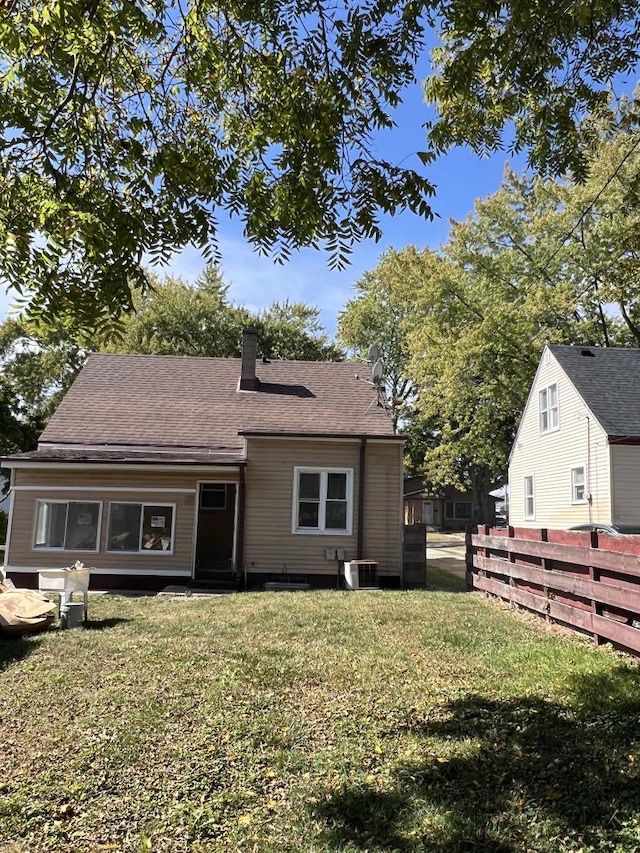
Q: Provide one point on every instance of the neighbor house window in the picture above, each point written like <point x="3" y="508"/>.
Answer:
<point x="67" y="525"/>
<point x="322" y="500"/>
<point x="457" y="510"/>
<point x="529" y="504"/>
<point x="578" y="491"/>
<point x="140" y="528"/>
<point x="548" y="402"/>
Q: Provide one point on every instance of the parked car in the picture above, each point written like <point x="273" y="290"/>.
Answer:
<point x="621" y="529"/>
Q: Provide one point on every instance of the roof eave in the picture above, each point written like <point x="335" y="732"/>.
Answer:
<point x="321" y="435"/>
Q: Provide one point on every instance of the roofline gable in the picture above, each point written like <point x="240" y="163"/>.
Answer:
<point x="548" y="348"/>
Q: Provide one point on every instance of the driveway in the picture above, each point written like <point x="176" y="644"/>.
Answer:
<point x="447" y="552"/>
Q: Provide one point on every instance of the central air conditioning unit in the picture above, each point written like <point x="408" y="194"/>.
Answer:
<point x="361" y="574"/>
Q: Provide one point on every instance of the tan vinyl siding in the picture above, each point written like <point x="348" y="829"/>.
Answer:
<point x="625" y="483"/>
<point x="549" y="458"/>
<point x="383" y="506"/>
<point x="269" y="540"/>
<point x="116" y="477"/>
<point x="105" y="487"/>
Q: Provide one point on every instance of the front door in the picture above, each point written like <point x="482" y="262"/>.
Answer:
<point x="216" y="525"/>
<point x="427" y="512"/>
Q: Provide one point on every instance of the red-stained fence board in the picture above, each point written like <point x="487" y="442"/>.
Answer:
<point x="624" y="597"/>
<point x="592" y="589"/>
<point x="624" y="563"/>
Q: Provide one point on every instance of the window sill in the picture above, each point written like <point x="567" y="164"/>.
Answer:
<point x="307" y="531"/>
<point x="149" y="552"/>
<point x="39" y="549"/>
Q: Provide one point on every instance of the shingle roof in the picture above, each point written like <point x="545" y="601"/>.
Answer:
<point x="173" y="401"/>
<point x="608" y="380"/>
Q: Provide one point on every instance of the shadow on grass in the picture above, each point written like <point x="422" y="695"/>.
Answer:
<point x="104" y="624"/>
<point x="16" y="647"/>
<point x="506" y="776"/>
<point x="440" y="580"/>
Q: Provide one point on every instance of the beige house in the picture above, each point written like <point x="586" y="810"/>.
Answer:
<point x="576" y="456"/>
<point x="161" y="470"/>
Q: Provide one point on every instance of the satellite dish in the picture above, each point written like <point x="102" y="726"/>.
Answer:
<point x="376" y="372"/>
<point x="374" y="354"/>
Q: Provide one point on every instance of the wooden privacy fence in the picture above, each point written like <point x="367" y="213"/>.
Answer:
<point x="586" y="581"/>
<point x="414" y="556"/>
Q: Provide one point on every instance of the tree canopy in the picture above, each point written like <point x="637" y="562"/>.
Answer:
<point x="38" y="367"/>
<point x="539" y="261"/>
<point x="177" y="317"/>
<point x="127" y="129"/>
<point x="531" y="76"/>
<point x="379" y="315"/>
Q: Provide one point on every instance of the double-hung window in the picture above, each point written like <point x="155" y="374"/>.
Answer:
<point x="323" y="499"/>
<point x="548" y="407"/>
<point x="529" y="502"/>
<point x="140" y="528"/>
<point x="578" y="490"/>
<point x="67" y="525"/>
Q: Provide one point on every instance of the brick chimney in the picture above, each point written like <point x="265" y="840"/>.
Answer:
<point x="248" y="380"/>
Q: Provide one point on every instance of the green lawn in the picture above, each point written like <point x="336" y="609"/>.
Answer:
<point x="442" y="580"/>
<point x="312" y="722"/>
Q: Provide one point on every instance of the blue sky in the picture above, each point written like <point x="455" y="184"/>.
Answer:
<point x="460" y="178"/>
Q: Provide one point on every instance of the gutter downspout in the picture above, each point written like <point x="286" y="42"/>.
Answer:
<point x="588" y="471"/>
<point x="361" y="478"/>
<point x="240" y="529"/>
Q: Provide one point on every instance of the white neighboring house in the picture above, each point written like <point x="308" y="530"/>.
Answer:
<point x="576" y="455"/>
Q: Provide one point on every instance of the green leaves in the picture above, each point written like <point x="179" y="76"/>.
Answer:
<point x="540" y="68"/>
<point x="126" y="128"/>
<point x="179" y="318"/>
<point x="538" y="262"/>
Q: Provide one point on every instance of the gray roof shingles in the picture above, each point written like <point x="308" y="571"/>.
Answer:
<point x="608" y="380"/>
<point x="186" y="402"/>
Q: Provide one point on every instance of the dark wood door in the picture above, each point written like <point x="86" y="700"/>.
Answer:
<point x="216" y="524"/>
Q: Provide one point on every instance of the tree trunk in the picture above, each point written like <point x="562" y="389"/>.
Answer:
<point x="483" y="506"/>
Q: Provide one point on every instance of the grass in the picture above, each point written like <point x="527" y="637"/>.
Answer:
<point x="442" y="580"/>
<point x="317" y="723"/>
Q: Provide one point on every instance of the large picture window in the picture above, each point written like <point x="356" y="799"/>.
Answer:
<point x="141" y="528"/>
<point x="323" y="500"/>
<point x="548" y="403"/>
<point x="67" y="525"/>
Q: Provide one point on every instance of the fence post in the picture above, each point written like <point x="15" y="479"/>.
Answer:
<point x="594" y="577"/>
<point x="511" y="533"/>
<point x="544" y="537"/>
<point x="468" y="557"/>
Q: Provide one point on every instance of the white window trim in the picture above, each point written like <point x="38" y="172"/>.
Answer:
<point x="146" y="551"/>
<point x="530" y="516"/>
<point x="548" y="410"/>
<point x="581" y="467"/>
<point x="63" y="550"/>
<point x="321" y="530"/>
